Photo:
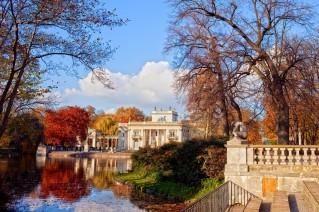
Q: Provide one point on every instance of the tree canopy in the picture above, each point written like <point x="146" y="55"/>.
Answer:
<point x="34" y="33"/>
<point x="128" y="114"/>
<point x="62" y="127"/>
<point x="274" y="41"/>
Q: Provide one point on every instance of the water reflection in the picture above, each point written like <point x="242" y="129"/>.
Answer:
<point x="59" y="179"/>
<point x="69" y="184"/>
<point x="35" y="184"/>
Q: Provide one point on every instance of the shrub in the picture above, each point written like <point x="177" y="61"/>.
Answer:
<point x="187" y="162"/>
<point x="214" y="162"/>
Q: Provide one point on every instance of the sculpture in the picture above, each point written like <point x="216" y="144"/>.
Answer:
<point x="239" y="130"/>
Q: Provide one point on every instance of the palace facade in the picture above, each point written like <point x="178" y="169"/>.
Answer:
<point x="163" y="128"/>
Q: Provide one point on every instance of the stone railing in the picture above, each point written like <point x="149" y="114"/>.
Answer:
<point x="221" y="199"/>
<point x="285" y="154"/>
<point x="262" y="169"/>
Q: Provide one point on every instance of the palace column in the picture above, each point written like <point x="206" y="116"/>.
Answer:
<point x="128" y="139"/>
<point x="94" y="140"/>
<point x="157" y="139"/>
<point x="144" y="139"/>
<point x="150" y="137"/>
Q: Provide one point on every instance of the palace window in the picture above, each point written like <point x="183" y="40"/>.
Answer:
<point x="136" y="132"/>
<point x="172" y="133"/>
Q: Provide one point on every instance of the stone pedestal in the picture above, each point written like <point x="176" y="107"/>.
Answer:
<point x="236" y="168"/>
<point x="236" y="156"/>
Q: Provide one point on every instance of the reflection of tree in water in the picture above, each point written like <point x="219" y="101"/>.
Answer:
<point x="17" y="178"/>
<point x="103" y="180"/>
<point x="62" y="181"/>
<point x="121" y="191"/>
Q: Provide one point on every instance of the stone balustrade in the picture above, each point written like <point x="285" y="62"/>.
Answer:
<point x="285" y="154"/>
<point x="262" y="169"/>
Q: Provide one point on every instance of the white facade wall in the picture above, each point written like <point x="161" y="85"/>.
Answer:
<point x="163" y="129"/>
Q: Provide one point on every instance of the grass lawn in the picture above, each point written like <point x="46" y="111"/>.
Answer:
<point x="170" y="189"/>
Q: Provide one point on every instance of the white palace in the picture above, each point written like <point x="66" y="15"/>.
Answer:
<point x="163" y="128"/>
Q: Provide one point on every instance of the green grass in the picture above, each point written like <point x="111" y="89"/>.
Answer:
<point x="169" y="189"/>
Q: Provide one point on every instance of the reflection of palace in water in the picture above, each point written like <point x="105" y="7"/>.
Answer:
<point x="92" y="166"/>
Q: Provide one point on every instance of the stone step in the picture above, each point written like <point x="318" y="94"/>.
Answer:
<point x="253" y="205"/>
<point x="311" y="192"/>
<point x="235" y="208"/>
<point x="280" y="202"/>
<point x="297" y="203"/>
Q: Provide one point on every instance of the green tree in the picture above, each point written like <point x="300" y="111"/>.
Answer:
<point x="26" y="132"/>
<point x="39" y="30"/>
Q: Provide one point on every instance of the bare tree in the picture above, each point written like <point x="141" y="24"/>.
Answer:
<point x="33" y="33"/>
<point x="261" y="33"/>
<point x="198" y="50"/>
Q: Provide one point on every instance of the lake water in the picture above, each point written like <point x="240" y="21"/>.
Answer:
<point x="71" y="184"/>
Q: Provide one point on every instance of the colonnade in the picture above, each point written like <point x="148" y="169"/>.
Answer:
<point x="151" y="137"/>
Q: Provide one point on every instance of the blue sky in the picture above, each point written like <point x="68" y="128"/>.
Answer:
<point x="139" y="68"/>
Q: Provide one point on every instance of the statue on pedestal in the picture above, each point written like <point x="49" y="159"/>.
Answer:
<point x="239" y="133"/>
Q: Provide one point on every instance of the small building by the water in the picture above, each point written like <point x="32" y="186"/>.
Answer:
<point x="163" y="128"/>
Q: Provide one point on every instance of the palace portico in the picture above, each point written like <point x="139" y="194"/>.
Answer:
<point x="96" y="140"/>
<point x="163" y="128"/>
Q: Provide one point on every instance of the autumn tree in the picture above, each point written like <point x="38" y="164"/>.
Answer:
<point x="106" y="124"/>
<point x="33" y="34"/>
<point x="264" y="35"/>
<point x="199" y="99"/>
<point x="93" y="114"/>
<point x="199" y="53"/>
<point x="62" y="127"/>
<point x="128" y="114"/>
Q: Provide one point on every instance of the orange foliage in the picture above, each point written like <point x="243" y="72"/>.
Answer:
<point x="62" y="181"/>
<point x="121" y="191"/>
<point x="64" y="125"/>
<point x="253" y="127"/>
<point x="269" y="123"/>
<point x="125" y="115"/>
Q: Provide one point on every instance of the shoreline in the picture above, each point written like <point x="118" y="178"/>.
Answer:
<point x="73" y="154"/>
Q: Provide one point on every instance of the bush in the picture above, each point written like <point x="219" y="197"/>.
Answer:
<point x="215" y="160"/>
<point x="186" y="163"/>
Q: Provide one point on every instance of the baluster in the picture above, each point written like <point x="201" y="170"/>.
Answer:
<point x="298" y="156"/>
<point x="258" y="156"/>
<point x="290" y="156"/>
<point x="313" y="157"/>
<point x="276" y="156"/>
<point x="306" y="156"/>
<point x="267" y="155"/>
<point x="281" y="156"/>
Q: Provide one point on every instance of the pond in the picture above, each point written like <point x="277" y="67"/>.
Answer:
<point x="71" y="184"/>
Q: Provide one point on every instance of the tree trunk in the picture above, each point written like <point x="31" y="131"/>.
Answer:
<point x="236" y="107"/>
<point x="282" y="110"/>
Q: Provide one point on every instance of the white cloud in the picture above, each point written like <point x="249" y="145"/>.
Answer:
<point x="152" y="86"/>
<point x="110" y="111"/>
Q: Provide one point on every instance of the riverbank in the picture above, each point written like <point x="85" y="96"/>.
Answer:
<point x="64" y="154"/>
<point x="168" y="189"/>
